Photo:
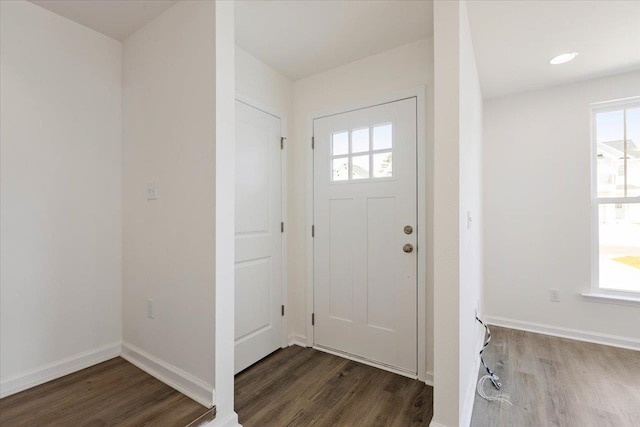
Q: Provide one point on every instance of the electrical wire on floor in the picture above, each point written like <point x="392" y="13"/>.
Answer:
<point x="495" y="380"/>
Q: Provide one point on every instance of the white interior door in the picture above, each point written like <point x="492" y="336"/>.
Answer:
<point x="258" y="238"/>
<point x="365" y="212"/>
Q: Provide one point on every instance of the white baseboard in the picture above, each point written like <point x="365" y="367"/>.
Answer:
<point x="428" y="378"/>
<point x="231" y="420"/>
<point x="435" y="424"/>
<point x="58" y="369"/>
<point x="174" y="377"/>
<point x="297" y="339"/>
<point x="574" y="334"/>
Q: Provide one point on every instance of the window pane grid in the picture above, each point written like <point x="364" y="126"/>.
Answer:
<point x="362" y="153"/>
<point x="619" y="246"/>
<point x="381" y="150"/>
<point x="617" y="196"/>
<point x="617" y="140"/>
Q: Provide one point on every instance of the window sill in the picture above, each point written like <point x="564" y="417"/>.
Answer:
<point x="612" y="298"/>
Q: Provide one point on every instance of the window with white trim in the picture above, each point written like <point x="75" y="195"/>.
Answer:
<point x="616" y="195"/>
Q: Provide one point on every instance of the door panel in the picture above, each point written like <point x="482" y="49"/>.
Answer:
<point x="341" y="284"/>
<point x="365" y="284"/>
<point x="252" y="290"/>
<point x="258" y="240"/>
<point x="380" y="296"/>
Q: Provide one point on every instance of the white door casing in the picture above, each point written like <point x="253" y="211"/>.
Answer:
<point x="365" y="285"/>
<point x="258" y="237"/>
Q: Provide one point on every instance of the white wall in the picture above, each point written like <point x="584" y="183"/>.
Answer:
<point x="169" y="116"/>
<point x="267" y="88"/>
<point x="399" y="69"/>
<point x="225" y="85"/>
<point x="262" y="84"/>
<point x="446" y="250"/>
<point x="537" y="211"/>
<point x="471" y="239"/>
<point x="458" y="248"/>
<point x="61" y="283"/>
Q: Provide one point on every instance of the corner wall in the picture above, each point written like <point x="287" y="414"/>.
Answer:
<point x="169" y="137"/>
<point x="538" y="213"/>
<point x="225" y="87"/>
<point x="61" y="250"/>
<point x="470" y="220"/>
<point x="262" y="84"/>
<point x="458" y="243"/>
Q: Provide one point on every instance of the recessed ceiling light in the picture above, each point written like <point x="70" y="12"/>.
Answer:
<point x="561" y="59"/>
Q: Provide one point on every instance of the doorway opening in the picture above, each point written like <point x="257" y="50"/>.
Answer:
<point x="366" y="281"/>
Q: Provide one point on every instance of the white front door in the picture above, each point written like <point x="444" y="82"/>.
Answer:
<point x="365" y="220"/>
<point x="258" y="238"/>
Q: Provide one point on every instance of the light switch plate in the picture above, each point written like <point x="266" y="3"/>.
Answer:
<point x="152" y="191"/>
<point x="151" y="309"/>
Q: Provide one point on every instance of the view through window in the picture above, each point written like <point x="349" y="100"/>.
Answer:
<point x="365" y="153"/>
<point x="617" y="142"/>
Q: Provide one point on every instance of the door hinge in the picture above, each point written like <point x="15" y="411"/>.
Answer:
<point x="313" y="231"/>
<point x="313" y="142"/>
<point x="313" y="319"/>
<point x="283" y="310"/>
<point x="282" y="227"/>
<point x="282" y="138"/>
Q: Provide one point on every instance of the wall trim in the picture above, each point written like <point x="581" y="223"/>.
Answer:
<point x="60" y="368"/>
<point x="612" y="297"/>
<point x="574" y="334"/>
<point x="297" y="339"/>
<point x="230" y="420"/>
<point x="435" y="424"/>
<point x="470" y="396"/>
<point x="428" y="378"/>
<point x="174" y="377"/>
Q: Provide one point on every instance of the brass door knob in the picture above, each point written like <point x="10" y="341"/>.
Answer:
<point x="408" y="229"/>
<point x="408" y="248"/>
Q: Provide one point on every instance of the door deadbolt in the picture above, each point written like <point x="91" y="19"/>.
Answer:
<point x="408" y="248"/>
<point x="408" y="229"/>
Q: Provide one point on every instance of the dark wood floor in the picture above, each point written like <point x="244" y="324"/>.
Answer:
<point x="552" y="382"/>
<point x="559" y="382"/>
<point x="299" y="386"/>
<point x="113" y="393"/>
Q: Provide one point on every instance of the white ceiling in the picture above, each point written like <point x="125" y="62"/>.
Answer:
<point x="514" y="40"/>
<point x="117" y="19"/>
<point x="304" y="37"/>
